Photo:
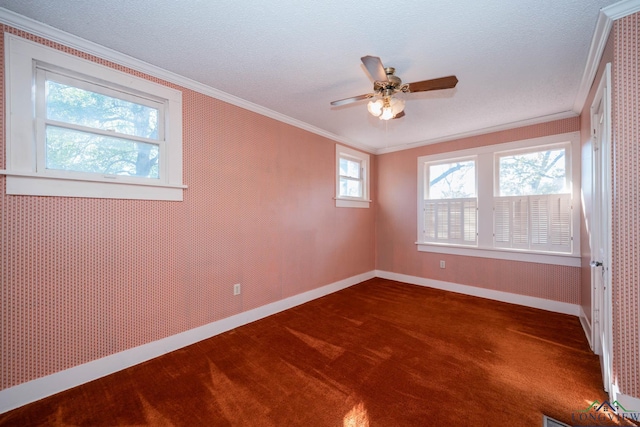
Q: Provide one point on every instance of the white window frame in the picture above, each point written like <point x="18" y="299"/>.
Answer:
<point x="364" y="160"/>
<point x="486" y="175"/>
<point x="527" y="204"/>
<point x="26" y="174"/>
<point x="448" y="205"/>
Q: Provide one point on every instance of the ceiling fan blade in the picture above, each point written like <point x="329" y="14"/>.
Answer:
<point x="399" y="115"/>
<point x="352" y="99"/>
<point x="374" y="67"/>
<point x="448" y="82"/>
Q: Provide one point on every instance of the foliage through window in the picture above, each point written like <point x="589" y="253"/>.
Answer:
<point x="93" y="129"/>
<point x="450" y="203"/>
<point x="452" y="180"/>
<point x="352" y="178"/>
<point x="533" y="208"/>
<point x="498" y="200"/>
<point x="80" y="129"/>
<point x="529" y="173"/>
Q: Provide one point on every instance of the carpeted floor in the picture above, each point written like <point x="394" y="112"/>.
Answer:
<point x="380" y="353"/>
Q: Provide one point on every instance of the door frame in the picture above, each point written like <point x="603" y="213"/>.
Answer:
<point x="601" y="230"/>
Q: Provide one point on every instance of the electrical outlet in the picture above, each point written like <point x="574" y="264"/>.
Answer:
<point x="236" y="289"/>
<point x="441" y="264"/>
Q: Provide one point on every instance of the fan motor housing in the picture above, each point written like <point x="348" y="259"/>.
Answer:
<point x="392" y="84"/>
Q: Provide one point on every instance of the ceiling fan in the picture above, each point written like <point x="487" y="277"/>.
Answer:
<point x="386" y="84"/>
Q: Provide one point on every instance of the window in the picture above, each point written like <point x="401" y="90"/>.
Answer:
<point x="91" y="129"/>
<point x="530" y="172"/>
<point x="351" y="181"/>
<point x="511" y="201"/>
<point x="88" y="130"/>
<point x="450" y="202"/>
<point x="532" y="209"/>
<point x="352" y="178"/>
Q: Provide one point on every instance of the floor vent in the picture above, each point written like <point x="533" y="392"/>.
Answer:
<point x="550" y="422"/>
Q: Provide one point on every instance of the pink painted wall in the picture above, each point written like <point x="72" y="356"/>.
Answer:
<point x="625" y="266"/>
<point x="86" y="278"/>
<point x="397" y="223"/>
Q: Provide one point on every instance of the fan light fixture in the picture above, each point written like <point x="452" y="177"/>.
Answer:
<point x="385" y="108"/>
<point x="382" y="104"/>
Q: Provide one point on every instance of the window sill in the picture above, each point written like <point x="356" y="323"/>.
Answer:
<point x="351" y="203"/>
<point x="568" y="260"/>
<point x="32" y="184"/>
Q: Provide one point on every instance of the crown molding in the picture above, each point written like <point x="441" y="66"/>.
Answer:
<point x="55" y="35"/>
<point x="483" y="131"/>
<point x="621" y="9"/>
<point x="604" y="24"/>
<point x="608" y="15"/>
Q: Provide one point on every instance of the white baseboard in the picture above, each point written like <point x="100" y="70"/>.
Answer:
<point x="586" y="327"/>
<point x="630" y="403"/>
<point x="39" y="388"/>
<point x="527" y="301"/>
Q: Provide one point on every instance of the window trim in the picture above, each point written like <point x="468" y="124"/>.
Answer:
<point x="23" y="176"/>
<point x="364" y="159"/>
<point x="485" y="194"/>
<point x="449" y="202"/>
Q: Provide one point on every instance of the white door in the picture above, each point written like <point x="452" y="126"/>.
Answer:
<point x="601" y="227"/>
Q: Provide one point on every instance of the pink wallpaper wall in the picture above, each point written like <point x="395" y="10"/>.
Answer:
<point x="85" y="278"/>
<point x="396" y="227"/>
<point x="622" y="51"/>
<point x="625" y="268"/>
<point x="587" y="190"/>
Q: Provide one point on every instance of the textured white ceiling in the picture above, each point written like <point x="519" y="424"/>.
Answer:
<point x="516" y="60"/>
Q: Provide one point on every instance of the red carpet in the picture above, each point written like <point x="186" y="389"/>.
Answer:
<point x="380" y="353"/>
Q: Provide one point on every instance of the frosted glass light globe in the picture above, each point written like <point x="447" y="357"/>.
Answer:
<point x="375" y="107"/>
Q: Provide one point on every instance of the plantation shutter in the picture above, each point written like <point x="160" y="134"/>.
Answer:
<point x="520" y="218"/>
<point x="470" y="218"/>
<point x="540" y="222"/>
<point x="429" y="225"/>
<point x="442" y="220"/>
<point x="451" y="221"/>
<point x="560" y="212"/>
<point x="533" y="222"/>
<point x="502" y="223"/>
<point x="455" y="220"/>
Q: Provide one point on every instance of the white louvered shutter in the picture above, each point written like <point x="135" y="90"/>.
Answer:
<point x="470" y="221"/>
<point x="451" y="221"/>
<point x="520" y="223"/>
<point x="455" y="220"/>
<point x="540" y="223"/>
<point x="442" y="220"/>
<point x="429" y="225"/>
<point x="502" y="223"/>
<point x="560" y="213"/>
